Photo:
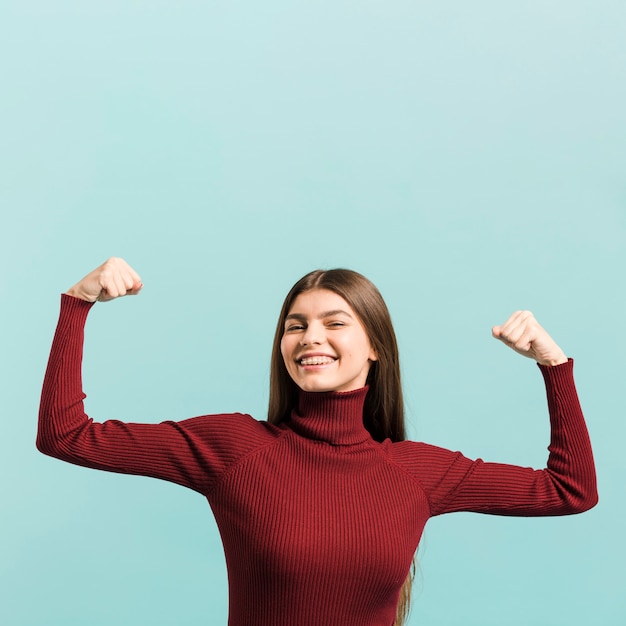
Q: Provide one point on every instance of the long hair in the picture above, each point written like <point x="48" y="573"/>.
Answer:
<point x="383" y="412"/>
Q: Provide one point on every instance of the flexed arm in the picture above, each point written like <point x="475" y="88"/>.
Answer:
<point x="567" y="484"/>
<point x="193" y="452"/>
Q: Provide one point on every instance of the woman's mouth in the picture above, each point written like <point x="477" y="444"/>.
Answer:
<point x="316" y="360"/>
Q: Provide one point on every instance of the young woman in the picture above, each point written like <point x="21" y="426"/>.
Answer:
<point x="322" y="506"/>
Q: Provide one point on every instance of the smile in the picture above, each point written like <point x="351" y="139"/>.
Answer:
<point x="316" y="360"/>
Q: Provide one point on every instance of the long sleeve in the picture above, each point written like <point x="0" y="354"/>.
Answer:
<point x="193" y="453"/>
<point x="567" y="485"/>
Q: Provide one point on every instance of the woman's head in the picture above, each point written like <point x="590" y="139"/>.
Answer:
<point x="338" y="321"/>
<point x="324" y="344"/>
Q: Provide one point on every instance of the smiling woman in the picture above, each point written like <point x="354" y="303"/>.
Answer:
<point x="322" y="506"/>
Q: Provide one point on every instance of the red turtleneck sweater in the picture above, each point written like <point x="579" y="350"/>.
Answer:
<point x="319" y="522"/>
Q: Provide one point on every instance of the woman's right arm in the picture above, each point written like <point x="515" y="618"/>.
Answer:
<point x="193" y="452"/>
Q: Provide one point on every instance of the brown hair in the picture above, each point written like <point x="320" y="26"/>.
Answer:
<point x="383" y="413"/>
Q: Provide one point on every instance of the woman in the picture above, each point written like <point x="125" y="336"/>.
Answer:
<point x="321" y="507"/>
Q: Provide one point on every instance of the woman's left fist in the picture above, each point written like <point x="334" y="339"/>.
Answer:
<point x="523" y="333"/>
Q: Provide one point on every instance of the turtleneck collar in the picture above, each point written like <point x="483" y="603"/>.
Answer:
<point x="335" y="417"/>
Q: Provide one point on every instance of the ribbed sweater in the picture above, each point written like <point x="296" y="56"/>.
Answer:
<point x="319" y="522"/>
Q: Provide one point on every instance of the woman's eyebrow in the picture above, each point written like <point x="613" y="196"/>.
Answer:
<point x="300" y="316"/>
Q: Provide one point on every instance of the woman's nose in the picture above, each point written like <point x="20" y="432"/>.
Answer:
<point x="312" y="335"/>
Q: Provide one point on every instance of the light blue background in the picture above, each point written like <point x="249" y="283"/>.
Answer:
<point x="467" y="157"/>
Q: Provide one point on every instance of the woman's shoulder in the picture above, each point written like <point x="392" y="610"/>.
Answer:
<point x="418" y="455"/>
<point x="232" y="426"/>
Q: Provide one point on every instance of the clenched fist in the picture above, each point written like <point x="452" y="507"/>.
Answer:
<point x="522" y="333"/>
<point x="114" y="278"/>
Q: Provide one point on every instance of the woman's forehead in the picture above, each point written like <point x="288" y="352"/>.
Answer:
<point x="319" y="300"/>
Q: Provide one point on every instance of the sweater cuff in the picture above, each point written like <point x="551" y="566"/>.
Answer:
<point x="555" y="374"/>
<point x="75" y="309"/>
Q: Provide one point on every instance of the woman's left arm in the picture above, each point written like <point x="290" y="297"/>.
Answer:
<point x="568" y="483"/>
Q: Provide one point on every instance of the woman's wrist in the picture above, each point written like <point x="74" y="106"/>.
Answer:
<point x="558" y="359"/>
<point x="76" y="293"/>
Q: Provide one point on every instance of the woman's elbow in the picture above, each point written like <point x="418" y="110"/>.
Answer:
<point x="582" y="502"/>
<point x="590" y="501"/>
<point x="45" y="446"/>
<point x="49" y="444"/>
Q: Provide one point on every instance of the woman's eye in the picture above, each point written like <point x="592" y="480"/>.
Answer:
<point x="294" y="327"/>
<point x="336" y="324"/>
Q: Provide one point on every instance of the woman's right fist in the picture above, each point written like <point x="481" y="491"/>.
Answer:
<point x="114" y="278"/>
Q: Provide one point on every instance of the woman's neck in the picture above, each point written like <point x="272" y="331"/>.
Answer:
<point x="333" y="417"/>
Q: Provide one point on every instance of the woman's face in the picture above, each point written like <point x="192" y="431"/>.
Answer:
<point x="324" y="344"/>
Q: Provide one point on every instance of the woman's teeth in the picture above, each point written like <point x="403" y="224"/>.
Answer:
<point x="316" y="360"/>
